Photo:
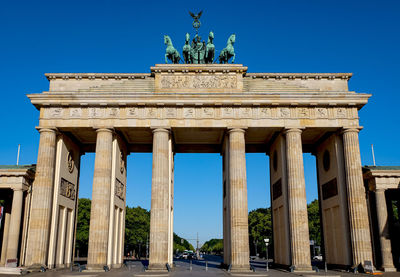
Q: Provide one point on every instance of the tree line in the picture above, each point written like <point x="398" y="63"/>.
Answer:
<point x="137" y="229"/>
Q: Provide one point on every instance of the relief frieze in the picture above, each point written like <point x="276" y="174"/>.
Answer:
<point x="322" y="112"/>
<point x="67" y="189"/>
<point x="189" y="113"/>
<point x="198" y="81"/>
<point x="203" y="112"/>
<point x="133" y="112"/>
<point x="170" y="112"/>
<point x="264" y="112"/>
<point x="119" y="189"/>
<point x="56" y="112"/>
<point x="113" y="112"/>
<point x="208" y="112"/>
<point x="284" y="112"/>
<point x="75" y="112"/>
<point x="96" y="112"/>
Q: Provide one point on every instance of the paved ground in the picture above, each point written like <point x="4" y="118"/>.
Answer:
<point x="195" y="269"/>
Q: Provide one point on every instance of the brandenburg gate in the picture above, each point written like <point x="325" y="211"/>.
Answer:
<point x="201" y="108"/>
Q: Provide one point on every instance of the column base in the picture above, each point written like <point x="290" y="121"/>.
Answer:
<point x="157" y="268"/>
<point x="36" y="268"/>
<point x="95" y="268"/>
<point x="240" y="268"/>
<point x="303" y="268"/>
<point x="389" y="269"/>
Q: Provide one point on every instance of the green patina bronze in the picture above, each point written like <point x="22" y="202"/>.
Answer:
<point x="196" y="22"/>
<point x="197" y="52"/>
<point x="210" y="49"/>
<point x="171" y="53"/>
<point x="186" y="51"/>
<point x="228" y="52"/>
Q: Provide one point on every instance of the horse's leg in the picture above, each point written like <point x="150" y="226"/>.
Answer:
<point x="233" y="57"/>
<point x="166" y="58"/>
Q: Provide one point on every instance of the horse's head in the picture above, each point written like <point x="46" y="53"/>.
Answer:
<point x="231" y="39"/>
<point x="167" y="40"/>
<point x="187" y="37"/>
<point x="210" y="37"/>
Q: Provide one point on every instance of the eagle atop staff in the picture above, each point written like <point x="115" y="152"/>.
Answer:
<point x="196" y="17"/>
<point x="196" y="22"/>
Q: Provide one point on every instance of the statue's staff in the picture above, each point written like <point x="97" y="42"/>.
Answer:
<point x="196" y="22"/>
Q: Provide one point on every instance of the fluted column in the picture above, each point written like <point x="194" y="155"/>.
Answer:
<point x="238" y="216"/>
<point x="297" y="202"/>
<point x="42" y="196"/>
<point x="15" y="224"/>
<point x="100" y="208"/>
<point x="159" y="214"/>
<point x="382" y="216"/>
<point x="6" y="224"/>
<point x="358" y="214"/>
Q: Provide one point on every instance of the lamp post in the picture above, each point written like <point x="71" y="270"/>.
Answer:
<point x="255" y="246"/>
<point x="266" y="240"/>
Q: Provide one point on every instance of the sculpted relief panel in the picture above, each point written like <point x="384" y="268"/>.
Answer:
<point x="198" y="81"/>
<point x="202" y="112"/>
<point x="67" y="189"/>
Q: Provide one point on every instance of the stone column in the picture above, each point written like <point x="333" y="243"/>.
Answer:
<point x="100" y="209"/>
<point x="238" y="216"/>
<point x="382" y="216"/>
<point x="6" y="223"/>
<point x="42" y="196"/>
<point x="297" y="202"/>
<point x="159" y="214"/>
<point x="358" y="215"/>
<point x="15" y="224"/>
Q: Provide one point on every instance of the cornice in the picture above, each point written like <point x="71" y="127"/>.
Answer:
<point x="198" y="68"/>
<point x="61" y="99"/>
<point x="172" y="68"/>
<point x="303" y="76"/>
<point x="96" y="76"/>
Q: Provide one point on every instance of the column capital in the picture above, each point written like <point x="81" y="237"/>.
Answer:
<point x="105" y="129"/>
<point x="293" y="130"/>
<point x="351" y="129"/>
<point x="161" y="129"/>
<point x="46" y="129"/>
<point x="237" y="129"/>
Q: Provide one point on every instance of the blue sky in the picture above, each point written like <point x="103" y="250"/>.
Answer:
<point x="271" y="36"/>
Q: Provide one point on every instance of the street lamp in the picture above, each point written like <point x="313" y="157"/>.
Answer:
<point x="266" y="240"/>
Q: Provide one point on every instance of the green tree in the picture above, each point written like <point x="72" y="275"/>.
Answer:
<point x="82" y="227"/>
<point x="181" y="244"/>
<point x="214" y="246"/>
<point x="314" y="223"/>
<point x="260" y="227"/>
<point x="395" y="206"/>
<point x="137" y="229"/>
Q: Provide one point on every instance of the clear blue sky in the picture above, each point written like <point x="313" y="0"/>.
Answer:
<point x="271" y="36"/>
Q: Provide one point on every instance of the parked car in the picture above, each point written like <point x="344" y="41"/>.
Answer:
<point x="317" y="258"/>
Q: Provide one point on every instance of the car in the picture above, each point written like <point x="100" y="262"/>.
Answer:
<point x="317" y="258"/>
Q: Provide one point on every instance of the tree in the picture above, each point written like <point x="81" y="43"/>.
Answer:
<point x="181" y="246"/>
<point x="260" y="227"/>
<point x="137" y="230"/>
<point x="213" y="246"/>
<point x="82" y="227"/>
<point x="314" y="223"/>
